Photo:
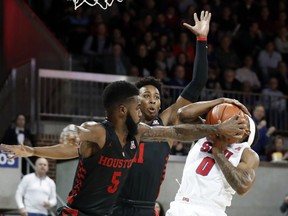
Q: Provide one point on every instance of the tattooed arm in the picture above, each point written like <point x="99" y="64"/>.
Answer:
<point x="191" y="132"/>
<point x="242" y="177"/>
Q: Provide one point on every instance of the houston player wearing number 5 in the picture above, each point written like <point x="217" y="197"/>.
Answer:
<point x="107" y="149"/>
<point x="215" y="169"/>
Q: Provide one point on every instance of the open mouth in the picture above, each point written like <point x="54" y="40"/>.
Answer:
<point x="152" y="110"/>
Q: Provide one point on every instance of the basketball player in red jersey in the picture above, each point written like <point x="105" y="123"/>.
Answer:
<point x="215" y="169"/>
<point x="107" y="149"/>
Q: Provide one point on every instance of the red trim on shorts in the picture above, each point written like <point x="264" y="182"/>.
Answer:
<point x="156" y="212"/>
<point x="69" y="212"/>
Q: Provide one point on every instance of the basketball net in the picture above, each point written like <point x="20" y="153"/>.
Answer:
<point x="104" y="5"/>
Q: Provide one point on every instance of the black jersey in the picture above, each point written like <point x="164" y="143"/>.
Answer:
<point x="148" y="170"/>
<point x="99" y="178"/>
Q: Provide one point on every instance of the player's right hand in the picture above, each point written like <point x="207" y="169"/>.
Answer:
<point x="70" y="135"/>
<point x="233" y="127"/>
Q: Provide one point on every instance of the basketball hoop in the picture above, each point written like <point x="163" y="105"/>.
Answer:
<point x="104" y="5"/>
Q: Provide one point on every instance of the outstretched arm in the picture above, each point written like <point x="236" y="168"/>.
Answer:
<point x="192" y="91"/>
<point x="190" y="132"/>
<point x="70" y="139"/>
<point x="60" y="151"/>
<point x="190" y="112"/>
<point x="242" y="177"/>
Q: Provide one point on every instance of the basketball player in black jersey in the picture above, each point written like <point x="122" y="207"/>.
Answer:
<point x="107" y="149"/>
<point x="147" y="173"/>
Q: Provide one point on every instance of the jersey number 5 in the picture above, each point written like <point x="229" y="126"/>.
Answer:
<point x="115" y="181"/>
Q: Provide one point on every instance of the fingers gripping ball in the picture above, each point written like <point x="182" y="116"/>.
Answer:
<point x="223" y="112"/>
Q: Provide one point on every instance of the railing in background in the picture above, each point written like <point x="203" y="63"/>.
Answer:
<point x="72" y="95"/>
<point x="78" y="95"/>
<point x="18" y="95"/>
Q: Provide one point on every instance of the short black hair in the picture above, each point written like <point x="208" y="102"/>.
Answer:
<point x="117" y="92"/>
<point x="149" y="81"/>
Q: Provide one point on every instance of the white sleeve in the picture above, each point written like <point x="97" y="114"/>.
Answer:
<point x="52" y="197"/>
<point x="20" y="192"/>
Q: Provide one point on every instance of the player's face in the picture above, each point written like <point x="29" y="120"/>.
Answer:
<point x="150" y="102"/>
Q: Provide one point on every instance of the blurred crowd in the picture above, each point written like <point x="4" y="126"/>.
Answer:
<point x="247" y="43"/>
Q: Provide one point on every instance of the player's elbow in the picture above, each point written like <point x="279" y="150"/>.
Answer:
<point x="242" y="191"/>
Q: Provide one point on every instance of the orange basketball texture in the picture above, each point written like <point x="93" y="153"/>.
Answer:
<point x="223" y="112"/>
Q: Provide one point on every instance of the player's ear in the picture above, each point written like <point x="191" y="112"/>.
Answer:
<point x="123" y="109"/>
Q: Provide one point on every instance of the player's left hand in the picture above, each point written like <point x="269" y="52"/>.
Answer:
<point x="17" y="150"/>
<point x="201" y="27"/>
<point x="237" y="103"/>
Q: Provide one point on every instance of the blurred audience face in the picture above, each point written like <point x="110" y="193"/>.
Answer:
<point x="229" y="75"/>
<point x="259" y="112"/>
<point x="117" y="50"/>
<point x="273" y="84"/>
<point x="248" y="62"/>
<point x="41" y="167"/>
<point x="279" y="142"/>
<point x="180" y="72"/>
<point x="20" y="121"/>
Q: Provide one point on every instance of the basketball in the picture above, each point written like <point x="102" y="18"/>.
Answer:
<point x="223" y="112"/>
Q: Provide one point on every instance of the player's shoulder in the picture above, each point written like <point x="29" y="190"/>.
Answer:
<point x="93" y="126"/>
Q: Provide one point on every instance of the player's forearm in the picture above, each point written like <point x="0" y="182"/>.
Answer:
<point x="60" y="151"/>
<point x="238" y="179"/>
<point x="183" y="132"/>
<point x="192" y="111"/>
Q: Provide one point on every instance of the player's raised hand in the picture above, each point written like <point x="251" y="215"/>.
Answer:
<point x="17" y="150"/>
<point x="70" y="135"/>
<point x="201" y="27"/>
<point x="233" y="127"/>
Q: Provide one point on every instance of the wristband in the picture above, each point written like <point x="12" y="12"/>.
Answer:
<point x="201" y="39"/>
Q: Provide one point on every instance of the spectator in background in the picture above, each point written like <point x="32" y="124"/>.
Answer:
<point x="159" y="208"/>
<point x="184" y="45"/>
<point x="265" y="22"/>
<point x="230" y="83"/>
<point x="250" y="42"/>
<point x="281" y="75"/>
<point x="225" y="54"/>
<point x="143" y="61"/>
<point x="116" y="63"/>
<point x="246" y="74"/>
<point x="272" y="97"/>
<point x="281" y="42"/>
<point x="212" y="85"/>
<point x="18" y="133"/>
<point x="178" y="149"/>
<point x="265" y="132"/>
<point x="36" y="192"/>
<point x="98" y="43"/>
<point x="276" y="151"/>
<point x="268" y="60"/>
